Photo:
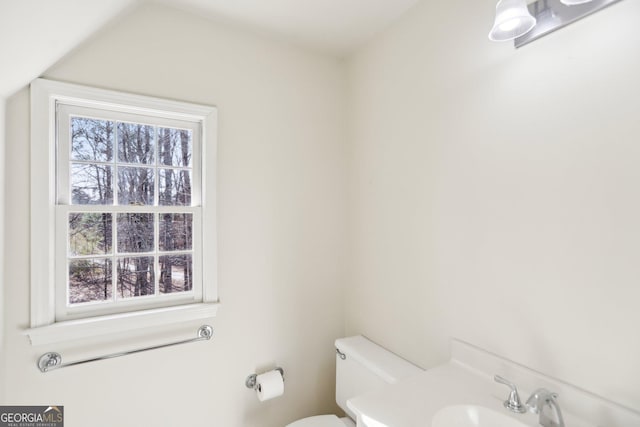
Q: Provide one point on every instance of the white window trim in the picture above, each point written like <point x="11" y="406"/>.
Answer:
<point x="44" y="328"/>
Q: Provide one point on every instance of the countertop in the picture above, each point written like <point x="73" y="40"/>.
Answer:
<point x="413" y="401"/>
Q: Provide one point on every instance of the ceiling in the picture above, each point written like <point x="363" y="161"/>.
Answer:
<point x="335" y="26"/>
<point x="34" y="34"/>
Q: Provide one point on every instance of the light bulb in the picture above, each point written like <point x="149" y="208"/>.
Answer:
<point x="509" y="25"/>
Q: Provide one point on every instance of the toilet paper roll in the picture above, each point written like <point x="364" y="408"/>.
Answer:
<point x="269" y="385"/>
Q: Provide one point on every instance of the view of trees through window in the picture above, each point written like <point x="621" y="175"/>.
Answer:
<point x="139" y="248"/>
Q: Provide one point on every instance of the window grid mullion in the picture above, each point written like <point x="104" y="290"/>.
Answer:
<point x="178" y="252"/>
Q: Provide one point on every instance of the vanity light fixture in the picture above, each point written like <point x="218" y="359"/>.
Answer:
<point x="522" y="23"/>
<point x="512" y="20"/>
<point x="574" y="2"/>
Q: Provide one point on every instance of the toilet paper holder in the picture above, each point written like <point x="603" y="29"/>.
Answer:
<point x="252" y="380"/>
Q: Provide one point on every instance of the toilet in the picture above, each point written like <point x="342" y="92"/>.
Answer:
<point x="361" y="366"/>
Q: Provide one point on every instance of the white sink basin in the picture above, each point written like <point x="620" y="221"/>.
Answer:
<point x="472" y="416"/>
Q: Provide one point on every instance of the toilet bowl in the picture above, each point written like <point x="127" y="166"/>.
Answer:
<point x="361" y="366"/>
<point x="323" y="421"/>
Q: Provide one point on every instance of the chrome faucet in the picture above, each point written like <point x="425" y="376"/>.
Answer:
<point x="513" y="403"/>
<point x="543" y="402"/>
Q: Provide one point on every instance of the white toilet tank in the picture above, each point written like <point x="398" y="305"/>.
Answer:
<point x="366" y="367"/>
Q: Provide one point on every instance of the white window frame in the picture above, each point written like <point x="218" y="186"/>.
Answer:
<point x="46" y="95"/>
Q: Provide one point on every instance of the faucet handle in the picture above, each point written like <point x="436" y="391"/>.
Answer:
<point x="513" y="403"/>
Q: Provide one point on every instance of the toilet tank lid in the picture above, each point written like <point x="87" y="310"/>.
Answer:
<point x="387" y="365"/>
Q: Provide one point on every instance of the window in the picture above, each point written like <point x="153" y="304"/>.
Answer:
<point x="128" y="212"/>
<point x="119" y="212"/>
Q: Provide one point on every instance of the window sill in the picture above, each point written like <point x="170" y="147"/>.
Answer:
<point x="113" y="324"/>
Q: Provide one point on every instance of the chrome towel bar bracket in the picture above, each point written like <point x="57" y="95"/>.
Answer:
<point x="52" y="360"/>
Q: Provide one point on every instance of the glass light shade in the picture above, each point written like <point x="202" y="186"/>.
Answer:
<point x="512" y="20"/>
<point x="574" y="2"/>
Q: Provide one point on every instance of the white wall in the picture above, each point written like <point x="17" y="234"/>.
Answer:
<point x="497" y="193"/>
<point x="2" y="279"/>
<point x="281" y="223"/>
<point x="45" y="31"/>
